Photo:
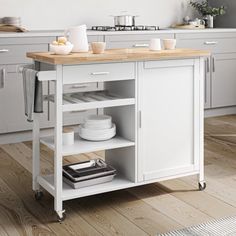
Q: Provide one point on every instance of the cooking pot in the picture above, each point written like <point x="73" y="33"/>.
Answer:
<point x="124" y="20"/>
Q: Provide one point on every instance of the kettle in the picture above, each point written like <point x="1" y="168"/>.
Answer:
<point x="78" y="37"/>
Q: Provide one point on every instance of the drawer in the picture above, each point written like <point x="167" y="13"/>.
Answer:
<point x="98" y="73"/>
<point x="133" y="41"/>
<point x="17" y="53"/>
<point x="80" y="87"/>
<point x="25" y="40"/>
<point x="216" y="43"/>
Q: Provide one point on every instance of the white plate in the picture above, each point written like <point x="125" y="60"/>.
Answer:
<point x="97" y="135"/>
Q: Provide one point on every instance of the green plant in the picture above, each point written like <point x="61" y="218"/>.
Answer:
<point x="205" y="9"/>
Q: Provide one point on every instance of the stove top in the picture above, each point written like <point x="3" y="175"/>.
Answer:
<point x="125" y="28"/>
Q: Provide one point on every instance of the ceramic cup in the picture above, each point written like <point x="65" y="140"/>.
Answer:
<point x="155" y="44"/>
<point x="98" y="47"/>
<point x="68" y="136"/>
<point x="169" y="44"/>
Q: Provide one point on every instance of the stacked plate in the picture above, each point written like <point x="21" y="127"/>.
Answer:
<point x="16" y="21"/>
<point x="97" y="128"/>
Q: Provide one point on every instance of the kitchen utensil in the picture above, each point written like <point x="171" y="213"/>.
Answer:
<point x="169" y="44"/>
<point x="61" y="49"/>
<point x="124" y="20"/>
<point x="155" y="44"/>
<point x="98" y="47"/>
<point x="78" y="37"/>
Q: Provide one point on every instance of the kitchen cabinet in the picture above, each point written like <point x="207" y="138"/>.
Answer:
<point x="133" y="41"/>
<point x="219" y="68"/>
<point x="223" y="80"/>
<point x="13" y="55"/>
<point x="168" y="141"/>
<point x="12" y="117"/>
<point x="157" y="106"/>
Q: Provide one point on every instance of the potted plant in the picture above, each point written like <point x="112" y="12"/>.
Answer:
<point x="207" y="11"/>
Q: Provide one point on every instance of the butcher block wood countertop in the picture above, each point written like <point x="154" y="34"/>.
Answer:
<point x="114" y="55"/>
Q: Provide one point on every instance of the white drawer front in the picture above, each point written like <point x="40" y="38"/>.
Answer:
<point x="216" y="43"/>
<point x="80" y="87"/>
<point x="98" y="73"/>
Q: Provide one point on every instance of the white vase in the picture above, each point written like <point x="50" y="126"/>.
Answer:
<point x="210" y="21"/>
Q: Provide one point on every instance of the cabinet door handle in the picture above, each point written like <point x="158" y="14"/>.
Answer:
<point x="4" y="50"/>
<point x="211" y="43"/>
<point x="79" y="86"/>
<point x="208" y="65"/>
<point x="140" y="119"/>
<point x="3" y="76"/>
<point x="141" y="45"/>
<point x="213" y="65"/>
<point x="100" y="73"/>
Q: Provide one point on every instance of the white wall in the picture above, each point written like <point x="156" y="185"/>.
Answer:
<point x="58" y="14"/>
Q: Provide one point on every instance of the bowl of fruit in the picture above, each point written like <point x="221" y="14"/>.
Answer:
<point x="61" y="46"/>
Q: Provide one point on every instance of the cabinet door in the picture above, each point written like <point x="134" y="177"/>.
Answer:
<point x="12" y="117"/>
<point x="169" y="133"/>
<point x="223" y="80"/>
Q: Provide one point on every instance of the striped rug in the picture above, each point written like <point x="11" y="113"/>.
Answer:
<point x="222" y="227"/>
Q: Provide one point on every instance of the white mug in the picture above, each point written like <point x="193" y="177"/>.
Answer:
<point x="169" y="44"/>
<point x="155" y="44"/>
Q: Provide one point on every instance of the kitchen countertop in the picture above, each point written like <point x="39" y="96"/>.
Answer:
<point x="114" y="55"/>
<point x="53" y="33"/>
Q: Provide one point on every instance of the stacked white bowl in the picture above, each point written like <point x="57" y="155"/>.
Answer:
<point x="16" y="21"/>
<point x="97" y="128"/>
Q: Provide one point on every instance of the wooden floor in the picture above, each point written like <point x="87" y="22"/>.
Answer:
<point x="146" y="210"/>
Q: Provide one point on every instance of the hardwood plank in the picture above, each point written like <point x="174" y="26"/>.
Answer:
<point x="105" y="219"/>
<point x="198" y="199"/>
<point x="42" y="211"/>
<point x="140" y="213"/>
<point x="169" y="205"/>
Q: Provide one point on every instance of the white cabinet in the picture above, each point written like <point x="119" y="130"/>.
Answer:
<point x="170" y="130"/>
<point x="219" y="69"/>
<point x="223" y="80"/>
<point x="12" y="116"/>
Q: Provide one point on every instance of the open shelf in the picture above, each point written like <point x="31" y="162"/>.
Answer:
<point x="47" y="182"/>
<point x="91" y="100"/>
<point x="83" y="146"/>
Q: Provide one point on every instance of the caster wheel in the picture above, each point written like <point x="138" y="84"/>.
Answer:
<point x="61" y="219"/>
<point x="38" y="195"/>
<point x="202" y="186"/>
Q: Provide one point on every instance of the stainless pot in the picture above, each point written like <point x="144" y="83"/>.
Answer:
<point x="124" y="20"/>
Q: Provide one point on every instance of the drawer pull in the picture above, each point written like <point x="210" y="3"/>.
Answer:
<point x="100" y="73"/>
<point x="79" y="86"/>
<point x="211" y="43"/>
<point x="2" y="78"/>
<point x="141" y="45"/>
<point x="4" y="50"/>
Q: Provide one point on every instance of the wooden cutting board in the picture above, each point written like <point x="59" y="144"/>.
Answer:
<point x="191" y="27"/>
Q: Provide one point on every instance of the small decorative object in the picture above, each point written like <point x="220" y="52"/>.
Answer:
<point x="68" y="136"/>
<point x="155" y="44"/>
<point x="98" y="47"/>
<point x="169" y="44"/>
<point x="208" y="12"/>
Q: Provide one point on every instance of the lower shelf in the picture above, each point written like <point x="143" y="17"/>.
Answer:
<point x="47" y="182"/>
<point x="84" y="146"/>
